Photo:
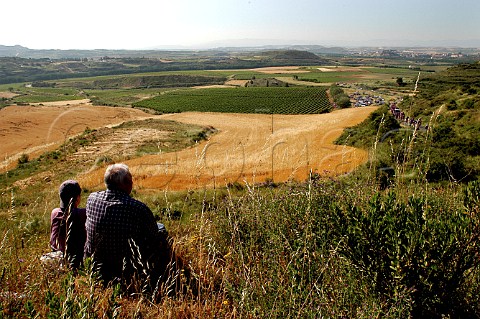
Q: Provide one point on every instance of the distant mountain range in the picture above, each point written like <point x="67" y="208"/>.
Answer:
<point x="166" y="52"/>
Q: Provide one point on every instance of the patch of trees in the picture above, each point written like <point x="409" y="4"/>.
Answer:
<point x="340" y="98"/>
<point x="160" y="81"/>
<point x="266" y="82"/>
<point x="43" y="84"/>
<point x="3" y="102"/>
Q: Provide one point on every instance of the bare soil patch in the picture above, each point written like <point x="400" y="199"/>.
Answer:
<point x="236" y="82"/>
<point x="227" y="84"/>
<point x="7" y="95"/>
<point x="245" y="149"/>
<point x="340" y="69"/>
<point x="326" y="70"/>
<point x="280" y="70"/>
<point x="119" y="143"/>
<point x="291" y="80"/>
<point x="63" y="103"/>
<point x="212" y="86"/>
<point x="33" y="130"/>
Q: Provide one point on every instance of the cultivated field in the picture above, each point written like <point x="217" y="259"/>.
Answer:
<point x="7" y="95"/>
<point x="246" y="147"/>
<point x="397" y="238"/>
<point x="35" y="129"/>
<point x="281" y="70"/>
<point x="262" y="100"/>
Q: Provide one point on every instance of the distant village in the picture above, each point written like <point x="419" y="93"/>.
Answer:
<point x="420" y="53"/>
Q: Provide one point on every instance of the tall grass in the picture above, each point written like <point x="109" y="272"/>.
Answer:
<point x="335" y="248"/>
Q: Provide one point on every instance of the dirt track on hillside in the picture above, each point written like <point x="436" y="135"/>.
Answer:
<point x="245" y="149"/>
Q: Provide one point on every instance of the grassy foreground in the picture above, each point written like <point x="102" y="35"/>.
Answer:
<point x="319" y="248"/>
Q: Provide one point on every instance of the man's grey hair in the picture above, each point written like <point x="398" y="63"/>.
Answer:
<point x="117" y="175"/>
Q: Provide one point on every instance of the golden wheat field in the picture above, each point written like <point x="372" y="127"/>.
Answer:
<point x="246" y="147"/>
<point x="34" y="129"/>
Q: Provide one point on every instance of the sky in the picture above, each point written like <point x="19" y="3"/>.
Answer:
<point x="147" y="24"/>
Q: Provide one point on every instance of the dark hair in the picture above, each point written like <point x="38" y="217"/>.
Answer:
<point x="68" y="191"/>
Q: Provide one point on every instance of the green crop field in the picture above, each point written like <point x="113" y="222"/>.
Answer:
<point x="38" y="95"/>
<point x="266" y="100"/>
<point x="121" y="97"/>
<point x="327" y="77"/>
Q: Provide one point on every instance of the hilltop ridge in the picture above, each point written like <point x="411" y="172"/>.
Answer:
<point x="162" y="52"/>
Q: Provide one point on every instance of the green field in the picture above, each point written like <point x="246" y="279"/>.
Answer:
<point x="361" y="74"/>
<point x="38" y="95"/>
<point x="278" y="100"/>
<point x="120" y="97"/>
<point x="133" y="89"/>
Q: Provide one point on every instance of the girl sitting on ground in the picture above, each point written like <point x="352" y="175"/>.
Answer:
<point x="68" y="233"/>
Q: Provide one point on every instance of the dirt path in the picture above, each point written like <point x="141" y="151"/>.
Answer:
<point x="245" y="149"/>
<point x="33" y="130"/>
<point x="7" y="95"/>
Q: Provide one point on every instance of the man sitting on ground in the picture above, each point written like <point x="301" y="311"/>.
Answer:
<point x="122" y="234"/>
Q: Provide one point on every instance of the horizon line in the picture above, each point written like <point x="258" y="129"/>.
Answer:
<point x="226" y="45"/>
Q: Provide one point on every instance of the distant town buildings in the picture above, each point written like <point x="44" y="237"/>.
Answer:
<point x="419" y="53"/>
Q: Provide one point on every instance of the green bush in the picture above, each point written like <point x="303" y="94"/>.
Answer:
<point x="419" y="246"/>
<point x="23" y="159"/>
<point x="324" y="248"/>
<point x="375" y="127"/>
<point x="339" y="97"/>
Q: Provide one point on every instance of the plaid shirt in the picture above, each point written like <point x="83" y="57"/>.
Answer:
<point x="114" y="218"/>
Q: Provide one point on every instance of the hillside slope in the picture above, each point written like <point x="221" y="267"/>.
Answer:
<point x="447" y="145"/>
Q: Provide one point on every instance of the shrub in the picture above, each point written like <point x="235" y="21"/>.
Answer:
<point x="378" y="123"/>
<point x="420" y="246"/>
<point x="23" y="159"/>
<point x="339" y="97"/>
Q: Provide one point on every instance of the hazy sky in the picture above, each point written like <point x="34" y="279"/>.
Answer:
<point x="113" y="24"/>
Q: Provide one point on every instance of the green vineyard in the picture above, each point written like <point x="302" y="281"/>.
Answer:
<point x="263" y="100"/>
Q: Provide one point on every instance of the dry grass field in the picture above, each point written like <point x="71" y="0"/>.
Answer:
<point x="248" y="147"/>
<point x="245" y="149"/>
<point x="35" y="129"/>
<point x="280" y="70"/>
<point x="7" y="95"/>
